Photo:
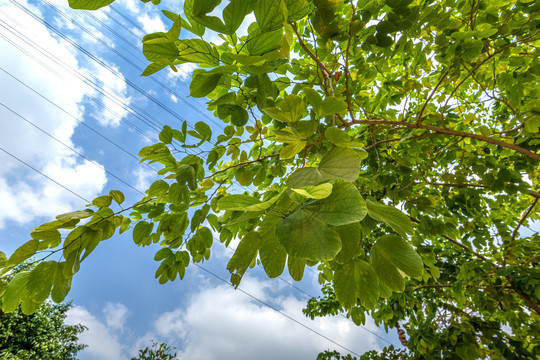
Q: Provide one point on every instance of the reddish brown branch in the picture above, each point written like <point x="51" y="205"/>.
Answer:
<point x="525" y="215"/>
<point x="447" y="131"/>
<point x="242" y="164"/>
<point x="347" y="94"/>
<point x="430" y="96"/>
<point x="401" y="139"/>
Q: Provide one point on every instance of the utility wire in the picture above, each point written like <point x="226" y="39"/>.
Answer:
<point x="311" y="296"/>
<point x="41" y="173"/>
<point x="85" y="79"/>
<point x="277" y="310"/>
<point x="101" y="62"/>
<point x="70" y="148"/>
<point x="199" y="266"/>
<point x="69" y="114"/>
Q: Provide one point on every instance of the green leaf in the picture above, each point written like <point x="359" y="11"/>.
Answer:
<point x="332" y="105"/>
<point x="305" y="236"/>
<point x="74" y="241"/>
<point x="272" y="254"/>
<point x="245" y="253"/>
<point x="239" y="116"/>
<point x="390" y="216"/>
<point x="340" y="163"/>
<point x="346" y="284"/>
<point x="236" y="202"/>
<point x="81" y="214"/>
<point x="234" y="15"/>
<point x="195" y="27"/>
<point x="296" y="267"/>
<point x="61" y="285"/>
<point x="203" y="83"/>
<point x="174" y="32"/>
<point x="290" y="150"/>
<point x="286" y="135"/>
<point x="297" y="9"/>
<point x="163" y="53"/>
<point x="24" y="252"/>
<point x="351" y="238"/>
<point x="142" y="231"/>
<point x="117" y="196"/>
<point x="198" y="51"/>
<point x="292" y="108"/>
<point x="89" y="4"/>
<point x="202" y="7"/>
<point x="204" y="130"/>
<point x="314" y="98"/>
<point x="166" y="135"/>
<point x="16" y="292"/>
<point x="390" y="257"/>
<point x="336" y="136"/>
<point x="186" y="174"/>
<point x="343" y="206"/>
<point x="263" y="43"/>
<point x="64" y="223"/>
<point x="368" y="284"/>
<point x="153" y="68"/>
<point x="158" y="188"/>
<point x="269" y="14"/>
<point x="315" y="192"/>
<point x="41" y="279"/>
<point x="102" y="201"/>
<point x="304" y="177"/>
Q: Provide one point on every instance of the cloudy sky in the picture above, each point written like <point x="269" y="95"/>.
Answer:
<point x="73" y="114"/>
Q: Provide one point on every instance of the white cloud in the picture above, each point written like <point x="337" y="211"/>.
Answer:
<point x="133" y="6"/>
<point x="23" y="192"/>
<point x="223" y="323"/>
<point x="151" y="23"/>
<point x="184" y="71"/>
<point x="143" y="177"/>
<point x="115" y="315"/>
<point x="116" y="101"/>
<point x="103" y="343"/>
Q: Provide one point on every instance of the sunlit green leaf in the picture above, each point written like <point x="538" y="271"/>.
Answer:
<point x="391" y="216"/>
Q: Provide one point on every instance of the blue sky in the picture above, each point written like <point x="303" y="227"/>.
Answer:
<point x="74" y="113"/>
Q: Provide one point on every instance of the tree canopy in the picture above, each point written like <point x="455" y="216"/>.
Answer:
<point x="393" y="144"/>
<point x="41" y="335"/>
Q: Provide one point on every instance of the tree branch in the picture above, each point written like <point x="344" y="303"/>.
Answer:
<point x="401" y="139"/>
<point x="347" y="94"/>
<point x="431" y="95"/>
<point x="242" y="164"/>
<point x="446" y="131"/>
<point x="525" y="215"/>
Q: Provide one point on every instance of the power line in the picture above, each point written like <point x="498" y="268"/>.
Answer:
<point x="41" y="173"/>
<point x="69" y="114"/>
<point x="70" y="148"/>
<point x="277" y="310"/>
<point x="83" y="78"/>
<point x="311" y="296"/>
<point x="206" y="270"/>
<point x="102" y="63"/>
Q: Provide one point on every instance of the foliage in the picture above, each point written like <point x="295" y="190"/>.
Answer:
<point x="391" y="143"/>
<point x="42" y="335"/>
<point x="389" y="353"/>
<point x="158" y="351"/>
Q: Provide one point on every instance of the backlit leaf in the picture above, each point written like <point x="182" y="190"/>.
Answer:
<point x="390" y="216"/>
<point x="89" y="4"/>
